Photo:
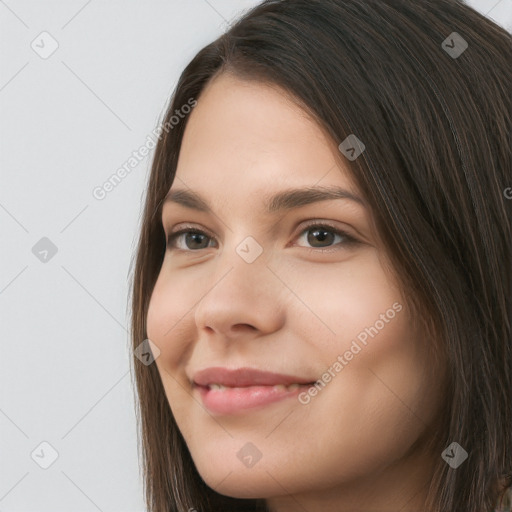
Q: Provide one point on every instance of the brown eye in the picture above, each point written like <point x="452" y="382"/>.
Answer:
<point x="320" y="235"/>
<point x="323" y="237"/>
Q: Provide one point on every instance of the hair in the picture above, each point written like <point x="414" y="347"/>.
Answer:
<point x="435" y="170"/>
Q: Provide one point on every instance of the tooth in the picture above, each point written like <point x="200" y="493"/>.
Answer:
<point x="293" y="387"/>
<point x="279" y="387"/>
<point x="217" y="387"/>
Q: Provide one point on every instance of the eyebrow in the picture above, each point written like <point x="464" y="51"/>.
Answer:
<point x="285" y="200"/>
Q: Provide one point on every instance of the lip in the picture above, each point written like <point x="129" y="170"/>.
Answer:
<point x="244" y="377"/>
<point x="244" y="388"/>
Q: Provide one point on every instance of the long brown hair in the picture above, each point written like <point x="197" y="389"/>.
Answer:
<point x="435" y="118"/>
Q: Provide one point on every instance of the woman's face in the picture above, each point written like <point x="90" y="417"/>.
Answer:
<point x="273" y="286"/>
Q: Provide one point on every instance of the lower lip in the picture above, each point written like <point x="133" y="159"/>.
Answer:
<point x="232" y="400"/>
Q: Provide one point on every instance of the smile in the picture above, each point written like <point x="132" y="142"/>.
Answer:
<point x="220" y="399"/>
<point x="229" y="391"/>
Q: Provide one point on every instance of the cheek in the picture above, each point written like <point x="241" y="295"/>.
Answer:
<point x="160" y="314"/>
<point x="167" y="323"/>
<point x="167" y="318"/>
<point x="375" y="365"/>
<point x="345" y="299"/>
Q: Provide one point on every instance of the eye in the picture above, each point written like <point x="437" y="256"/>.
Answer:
<point x="317" y="233"/>
<point x="195" y="237"/>
<point x="324" y="233"/>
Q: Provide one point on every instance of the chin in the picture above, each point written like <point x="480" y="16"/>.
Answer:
<point x="239" y="482"/>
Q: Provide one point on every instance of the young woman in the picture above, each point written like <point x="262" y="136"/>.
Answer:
<point x="323" y="276"/>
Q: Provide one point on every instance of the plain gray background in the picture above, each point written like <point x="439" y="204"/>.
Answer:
<point x="68" y="121"/>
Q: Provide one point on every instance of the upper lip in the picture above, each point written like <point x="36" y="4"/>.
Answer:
<point x="244" y="377"/>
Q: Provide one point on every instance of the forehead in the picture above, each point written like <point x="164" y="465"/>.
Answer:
<point x="253" y="137"/>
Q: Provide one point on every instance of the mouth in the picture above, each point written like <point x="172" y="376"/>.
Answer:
<point x="224" y="391"/>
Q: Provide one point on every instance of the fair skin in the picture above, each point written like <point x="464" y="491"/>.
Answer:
<point x="356" y="444"/>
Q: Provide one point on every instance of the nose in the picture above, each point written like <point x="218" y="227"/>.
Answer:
<point x="241" y="300"/>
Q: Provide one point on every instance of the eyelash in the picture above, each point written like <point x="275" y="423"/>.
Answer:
<point x="349" y="240"/>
